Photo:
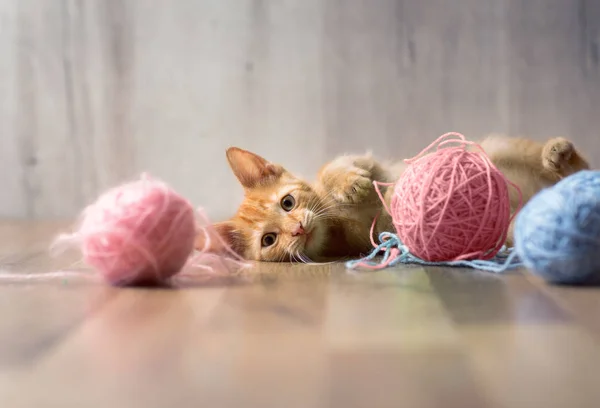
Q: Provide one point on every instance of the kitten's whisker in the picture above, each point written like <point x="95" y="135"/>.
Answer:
<point x="314" y="201"/>
<point x="336" y="206"/>
<point x="331" y="200"/>
<point x="305" y="258"/>
<point x="323" y="217"/>
<point x="326" y="209"/>
<point x="282" y="256"/>
<point x="328" y="195"/>
<point x="324" y="202"/>
<point x="319" y="206"/>
<point x="299" y="255"/>
<point x="309" y="261"/>
<point x="290" y="250"/>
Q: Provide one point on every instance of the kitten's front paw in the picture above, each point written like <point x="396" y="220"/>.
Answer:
<point x="349" y="179"/>
<point x="557" y="154"/>
<point x="354" y="186"/>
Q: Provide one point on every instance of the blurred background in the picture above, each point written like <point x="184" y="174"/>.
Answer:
<point x="92" y="93"/>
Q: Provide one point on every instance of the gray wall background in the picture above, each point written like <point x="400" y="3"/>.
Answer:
<point x="94" y="92"/>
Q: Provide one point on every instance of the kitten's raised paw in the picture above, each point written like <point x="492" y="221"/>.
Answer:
<point x="349" y="179"/>
<point x="557" y="154"/>
<point x="353" y="187"/>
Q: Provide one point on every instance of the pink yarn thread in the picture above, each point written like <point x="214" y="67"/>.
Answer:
<point x="212" y="262"/>
<point x="451" y="204"/>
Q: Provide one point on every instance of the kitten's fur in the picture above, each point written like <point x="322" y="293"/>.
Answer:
<point x="331" y="219"/>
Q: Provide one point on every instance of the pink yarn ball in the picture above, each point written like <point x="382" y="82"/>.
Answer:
<point x="139" y="233"/>
<point x="452" y="204"/>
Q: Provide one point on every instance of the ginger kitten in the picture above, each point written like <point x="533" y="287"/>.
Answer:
<point x="284" y="218"/>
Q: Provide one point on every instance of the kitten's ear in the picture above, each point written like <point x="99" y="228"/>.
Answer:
<point x="250" y="169"/>
<point x="221" y="234"/>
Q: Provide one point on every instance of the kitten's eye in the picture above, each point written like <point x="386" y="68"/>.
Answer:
<point x="288" y="203"/>
<point x="268" y="239"/>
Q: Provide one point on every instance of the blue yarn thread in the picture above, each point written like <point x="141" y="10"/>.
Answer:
<point x="557" y="233"/>
<point x="505" y="259"/>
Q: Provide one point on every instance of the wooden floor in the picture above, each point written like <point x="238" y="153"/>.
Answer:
<point x="293" y="336"/>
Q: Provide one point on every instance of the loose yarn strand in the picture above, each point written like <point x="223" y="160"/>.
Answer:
<point x="43" y="276"/>
<point x="395" y="252"/>
<point x="204" y="259"/>
<point x="377" y="184"/>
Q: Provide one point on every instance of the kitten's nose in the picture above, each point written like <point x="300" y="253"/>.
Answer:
<point x="298" y="230"/>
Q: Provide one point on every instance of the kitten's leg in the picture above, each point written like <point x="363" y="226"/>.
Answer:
<point x="532" y="165"/>
<point x="551" y="161"/>
<point x="349" y="179"/>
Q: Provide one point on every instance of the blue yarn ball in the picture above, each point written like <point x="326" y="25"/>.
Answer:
<point x="557" y="233"/>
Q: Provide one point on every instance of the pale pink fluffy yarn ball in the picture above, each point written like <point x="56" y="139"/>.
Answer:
<point x="141" y="232"/>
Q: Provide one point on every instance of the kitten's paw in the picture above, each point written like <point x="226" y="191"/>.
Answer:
<point x="557" y="154"/>
<point x="353" y="187"/>
<point x="349" y="179"/>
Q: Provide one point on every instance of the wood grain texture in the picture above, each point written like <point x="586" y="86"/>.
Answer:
<point x="93" y="93"/>
<point x="291" y="335"/>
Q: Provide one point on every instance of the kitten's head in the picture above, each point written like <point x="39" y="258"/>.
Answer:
<point x="279" y="219"/>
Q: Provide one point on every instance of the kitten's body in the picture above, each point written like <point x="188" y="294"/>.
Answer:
<point x="284" y="218"/>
